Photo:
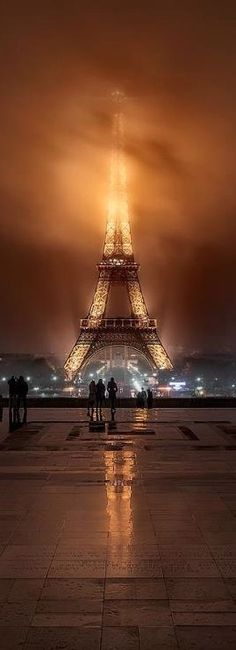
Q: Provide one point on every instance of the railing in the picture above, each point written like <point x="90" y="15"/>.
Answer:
<point x="116" y="263"/>
<point x="114" y="323"/>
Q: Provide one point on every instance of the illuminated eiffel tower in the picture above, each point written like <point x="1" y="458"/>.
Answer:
<point x="117" y="265"/>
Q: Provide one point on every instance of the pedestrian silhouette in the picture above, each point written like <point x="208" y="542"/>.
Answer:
<point x="144" y="398"/>
<point x="22" y="391"/>
<point x="91" y="399"/>
<point x="100" y="398"/>
<point x="141" y="400"/>
<point x="112" y="390"/>
<point x="12" y="384"/>
<point x="149" y="398"/>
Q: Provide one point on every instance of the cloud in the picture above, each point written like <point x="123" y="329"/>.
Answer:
<point x="177" y="65"/>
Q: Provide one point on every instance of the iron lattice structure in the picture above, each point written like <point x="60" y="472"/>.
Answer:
<point x="117" y="265"/>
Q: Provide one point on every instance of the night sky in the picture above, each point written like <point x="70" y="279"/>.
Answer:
<point x="176" y="61"/>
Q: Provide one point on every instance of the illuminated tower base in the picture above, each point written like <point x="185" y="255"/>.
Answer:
<point x="117" y="265"/>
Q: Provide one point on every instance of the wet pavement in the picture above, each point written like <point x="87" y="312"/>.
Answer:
<point x="122" y="539"/>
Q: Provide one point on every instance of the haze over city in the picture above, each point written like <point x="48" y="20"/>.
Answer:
<point x="176" y="64"/>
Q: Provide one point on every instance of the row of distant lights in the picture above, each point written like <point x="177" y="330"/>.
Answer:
<point x="5" y="379"/>
<point x="91" y="374"/>
<point x="35" y="388"/>
<point x="201" y="379"/>
<point x="54" y="378"/>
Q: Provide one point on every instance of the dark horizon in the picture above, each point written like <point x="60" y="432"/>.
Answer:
<point x="177" y="66"/>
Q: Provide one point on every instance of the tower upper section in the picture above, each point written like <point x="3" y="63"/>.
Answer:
<point x="118" y="242"/>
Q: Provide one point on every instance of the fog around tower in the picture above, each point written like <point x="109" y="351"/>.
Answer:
<point x="176" y="63"/>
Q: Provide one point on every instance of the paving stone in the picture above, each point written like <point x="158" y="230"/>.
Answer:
<point x="157" y="638"/>
<point x="230" y="583"/>
<point x="25" y="589"/>
<point x="68" y="619"/>
<point x="136" y="551"/>
<point x="192" y="552"/>
<point x="206" y="638"/>
<point x="23" y="569"/>
<point x="120" y="588"/>
<point x="190" y="568"/>
<point x="5" y="588"/>
<point x="136" y="569"/>
<point x="145" y="613"/>
<point x="203" y="606"/>
<point x="13" y="638"/>
<point x="153" y="588"/>
<point x="46" y="638"/>
<point x="204" y="618"/>
<point x="18" y="553"/>
<point x="120" y="638"/>
<point x="227" y="567"/>
<point x="82" y="555"/>
<point x="77" y="569"/>
<point x="62" y="588"/>
<point x="197" y="589"/>
<point x="187" y="537"/>
<point x="16" y="614"/>
<point x="224" y="552"/>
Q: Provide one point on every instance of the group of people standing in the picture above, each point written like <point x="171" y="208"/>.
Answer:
<point x="97" y="394"/>
<point x="18" y="390"/>
<point x="144" y="399"/>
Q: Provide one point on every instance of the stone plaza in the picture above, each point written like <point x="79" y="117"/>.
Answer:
<point x="122" y="539"/>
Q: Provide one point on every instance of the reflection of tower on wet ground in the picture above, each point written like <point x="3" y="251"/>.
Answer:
<point x="141" y="415"/>
<point x="120" y="470"/>
<point x="140" y="419"/>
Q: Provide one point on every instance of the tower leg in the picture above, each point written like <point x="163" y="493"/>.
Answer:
<point x="137" y="302"/>
<point x="76" y="358"/>
<point x="156" y="351"/>
<point x="98" y="306"/>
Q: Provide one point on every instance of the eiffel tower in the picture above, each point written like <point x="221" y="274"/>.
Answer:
<point x="117" y="265"/>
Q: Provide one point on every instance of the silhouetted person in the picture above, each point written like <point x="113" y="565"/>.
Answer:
<point x="112" y="390"/>
<point x="100" y="397"/>
<point x="12" y="384"/>
<point x="139" y="400"/>
<point x="142" y="399"/>
<point x="91" y="398"/>
<point x="149" y="398"/>
<point x="22" y="391"/>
